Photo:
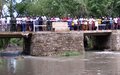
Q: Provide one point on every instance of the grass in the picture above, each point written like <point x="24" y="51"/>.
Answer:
<point x="70" y="53"/>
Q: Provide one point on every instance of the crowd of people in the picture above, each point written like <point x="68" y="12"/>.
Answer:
<point x="77" y="23"/>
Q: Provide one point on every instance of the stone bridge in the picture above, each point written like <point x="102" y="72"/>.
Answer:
<point x="47" y="43"/>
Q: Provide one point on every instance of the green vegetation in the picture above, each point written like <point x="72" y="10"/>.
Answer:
<point x="16" y="41"/>
<point x="4" y="42"/>
<point x="70" y="53"/>
<point x="64" y="7"/>
<point x="73" y="7"/>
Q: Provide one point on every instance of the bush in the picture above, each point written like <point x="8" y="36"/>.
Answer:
<point x="4" y="42"/>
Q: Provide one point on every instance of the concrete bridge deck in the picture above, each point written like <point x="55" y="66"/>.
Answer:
<point x="14" y="34"/>
<point x="98" y="32"/>
<point x="23" y="34"/>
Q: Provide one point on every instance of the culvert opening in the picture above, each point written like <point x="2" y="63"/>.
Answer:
<point x="96" y="43"/>
<point x="11" y="46"/>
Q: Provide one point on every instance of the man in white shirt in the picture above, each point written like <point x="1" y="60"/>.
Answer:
<point x="75" y="21"/>
<point x="19" y="27"/>
<point x="91" y="20"/>
<point x="23" y="24"/>
<point x="3" y="23"/>
<point x="115" y="23"/>
<point x="8" y="23"/>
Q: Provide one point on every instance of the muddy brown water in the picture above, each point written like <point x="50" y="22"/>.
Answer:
<point x="90" y="63"/>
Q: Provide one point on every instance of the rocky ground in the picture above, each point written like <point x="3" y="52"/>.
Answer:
<point x="13" y="48"/>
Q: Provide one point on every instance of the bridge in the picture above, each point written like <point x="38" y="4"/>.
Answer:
<point x="98" y="32"/>
<point x="45" y="43"/>
<point x="26" y="34"/>
<point x="14" y="34"/>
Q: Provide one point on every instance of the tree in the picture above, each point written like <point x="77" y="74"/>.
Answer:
<point x="73" y="7"/>
<point x="52" y="7"/>
<point x="0" y="7"/>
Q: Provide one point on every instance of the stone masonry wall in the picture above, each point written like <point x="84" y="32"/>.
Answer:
<point x="115" y="40"/>
<point x="47" y="43"/>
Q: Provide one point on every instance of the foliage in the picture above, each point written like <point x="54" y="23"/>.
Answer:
<point x="52" y="7"/>
<point x="72" y="7"/>
<point x="22" y="7"/>
<point x="16" y="41"/>
<point x="64" y="7"/>
<point x="104" y="7"/>
<point x="4" y="42"/>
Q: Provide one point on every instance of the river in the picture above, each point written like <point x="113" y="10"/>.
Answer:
<point x="90" y="63"/>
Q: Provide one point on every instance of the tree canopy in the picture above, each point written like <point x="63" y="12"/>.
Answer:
<point x="72" y="7"/>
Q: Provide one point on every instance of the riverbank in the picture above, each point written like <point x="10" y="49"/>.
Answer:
<point x="11" y="50"/>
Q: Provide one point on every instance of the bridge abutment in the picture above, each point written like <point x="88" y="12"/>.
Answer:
<point x="115" y="40"/>
<point x="27" y="44"/>
<point x="48" y="43"/>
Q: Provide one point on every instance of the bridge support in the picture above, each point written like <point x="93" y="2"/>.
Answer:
<point x="115" y="40"/>
<point x="48" y="43"/>
<point x="27" y="44"/>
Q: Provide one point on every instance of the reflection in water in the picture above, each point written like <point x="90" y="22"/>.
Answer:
<point x="12" y="65"/>
<point x="92" y="63"/>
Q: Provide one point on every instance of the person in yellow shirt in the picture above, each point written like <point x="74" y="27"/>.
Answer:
<point x="99" y="23"/>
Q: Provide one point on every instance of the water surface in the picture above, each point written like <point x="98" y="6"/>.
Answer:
<point x="91" y="63"/>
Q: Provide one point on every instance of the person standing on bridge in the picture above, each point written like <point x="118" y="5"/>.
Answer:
<point x="18" y="21"/>
<point x="118" y="22"/>
<point x="3" y="23"/>
<point x="23" y="24"/>
<point x="115" y="23"/>
<point x="91" y="23"/>
<point x="111" y="23"/>
<point x="75" y="21"/>
<point x="8" y="23"/>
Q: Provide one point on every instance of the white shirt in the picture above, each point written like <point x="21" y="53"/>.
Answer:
<point x="8" y="20"/>
<point x="18" y="20"/>
<point x="96" y="23"/>
<point x="75" y="21"/>
<point x="3" y="21"/>
<point x="115" y="20"/>
<point x="81" y="20"/>
<point x="24" y="20"/>
<point x="91" y="20"/>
